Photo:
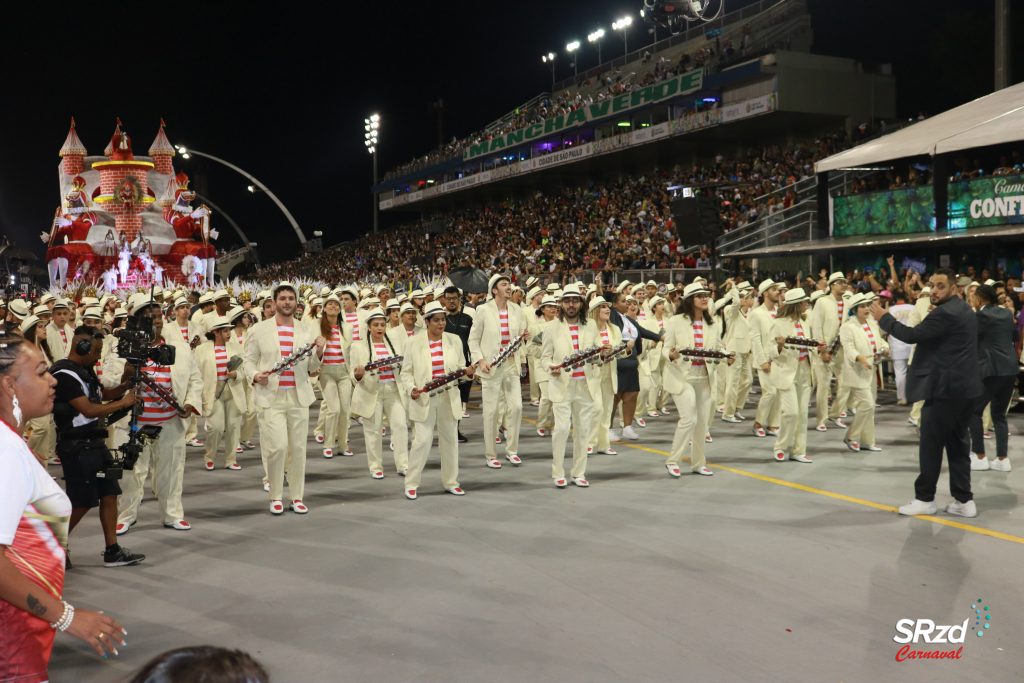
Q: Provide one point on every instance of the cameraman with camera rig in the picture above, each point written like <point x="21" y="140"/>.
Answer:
<point x="90" y="471"/>
<point x="169" y="385"/>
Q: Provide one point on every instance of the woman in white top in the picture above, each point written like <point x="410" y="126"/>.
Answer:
<point x="547" y="312"/>
<point x="335" y="380"/>
<point x="737" y="340"/>
<point x="34" y="514"/>
<point x="608" y="335"/>
<point x="862" y="348"/>
<point x="376" y="396"/>
<point x="242" y="320"/>
<point x="652" y="398"/>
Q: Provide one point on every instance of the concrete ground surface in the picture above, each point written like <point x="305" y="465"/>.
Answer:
<point x="764" y="572"/>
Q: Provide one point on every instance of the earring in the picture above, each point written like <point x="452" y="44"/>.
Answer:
<point x="16" y="409"/>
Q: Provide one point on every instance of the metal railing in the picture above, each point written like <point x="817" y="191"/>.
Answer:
<point x="797" y="223"/>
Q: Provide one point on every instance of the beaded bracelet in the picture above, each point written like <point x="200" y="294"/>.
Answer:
<point x="64" y="623"/>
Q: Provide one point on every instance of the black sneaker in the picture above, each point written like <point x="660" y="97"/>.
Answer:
<point x="462" y="438"/>
<point x="118" y="556"/>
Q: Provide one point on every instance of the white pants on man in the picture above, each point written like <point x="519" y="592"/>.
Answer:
<point x="164" y="458"/>
<point x="389" y="403"/>
<point x="900" y="370"/>
<point x="502" y="401"/>
<point x="439" y="414"/>
<point x="739" y="379"/>
<point x="769" y="407"/>
<point x="578" y="411"/>
<point x="284" y="428"/>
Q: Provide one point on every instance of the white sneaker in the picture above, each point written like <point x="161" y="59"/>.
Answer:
<point x="614" y="435"/>
<point x="731" y="418"/>
<point x="630" y="433"/>
<point x="912" y="422"/>
<point x="968" y="509"/>
<point x="918" y="507"/>
<point x="1000" y="465"/>
<point x="979" y="464"/>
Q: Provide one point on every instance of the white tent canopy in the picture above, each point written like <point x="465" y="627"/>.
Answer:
<point x="990" y="120"/>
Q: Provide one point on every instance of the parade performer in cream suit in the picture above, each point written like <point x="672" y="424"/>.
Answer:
<point x="224" y="412"/>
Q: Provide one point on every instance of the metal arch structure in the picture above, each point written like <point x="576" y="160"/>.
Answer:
<point x="255" y="181"/>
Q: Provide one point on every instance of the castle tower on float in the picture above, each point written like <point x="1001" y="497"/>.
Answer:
<point x="162" y="151"/>
<point x="73" y="153"/>
<point x="124" y="185"/>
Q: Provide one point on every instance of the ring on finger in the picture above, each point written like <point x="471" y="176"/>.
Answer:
<point x="101" y="636"/>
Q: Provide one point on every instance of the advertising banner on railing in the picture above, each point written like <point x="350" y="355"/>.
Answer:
<point x="747" y="108"/>
<point x="688" y="82"/>
<point x="995" y="200"/>
<point x="563" y="157"/>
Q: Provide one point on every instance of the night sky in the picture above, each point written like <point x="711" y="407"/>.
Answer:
<point x="283" y="95"/>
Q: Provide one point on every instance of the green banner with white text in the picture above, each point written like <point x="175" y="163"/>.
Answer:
<point x="684" y="84"/>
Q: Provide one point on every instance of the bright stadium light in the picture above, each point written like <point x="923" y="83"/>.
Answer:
<point x="623" y="24"/>
<point x="549" y="58"/>
<point x="571" y="48"/>
<point x="595" y="37"/>
<point x="371" y="127"/>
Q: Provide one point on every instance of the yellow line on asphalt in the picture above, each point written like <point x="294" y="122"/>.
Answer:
<point x="842" y="496"/>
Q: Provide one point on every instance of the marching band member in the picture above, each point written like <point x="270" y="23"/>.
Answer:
<point x="282" y="399"/>
<point x="572" y="390"/>
<point x="59" y="331"/>
<point x="688" y="381"/>
<point x="240" y="318"/>
<point x="766" y="420"/>
<point x="409" y="320"/>
<point x="430" y="356"/>
<point x="377" y="395"/>
<point x="459" y="323"/>
<point x="607" y="380"/>
<point x="791" y="376"/>
<point x="737" y="341"/>
<point x="335" y="380"/>
<point x="164" y="455"/>
<point x="495" y="325"/>
<point x="862" y="346"/>
<point x="545" y="314"/>
<point x="181" y="322"/>
<point x="223" y="393"/>
<point x="42" y="440"/>
<point x="534" y="298"/>
<point x="652" y="363"/>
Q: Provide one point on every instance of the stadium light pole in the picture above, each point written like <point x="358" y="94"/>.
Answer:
<point x="549" y="58"/>
<point x="623" y="24"/>
<point x="571" y="48"/>
<point x="371" y="126"/>
<point x="596" y="37"/>
<point x="186" y="153"/>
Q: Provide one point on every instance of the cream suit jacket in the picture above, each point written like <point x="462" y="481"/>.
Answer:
<point x="417" y="370"/>
<point x="557" y="345"/>
<point x="186" y="382"/>
<point x="58" y="349"/>
<point x="855" y="343"/>
<point x="234" y="389"/>
<point x="679" y="334"/>
<point x="263" y="351"/>
<point x="485" y="334"/>
<point x="786" y="362"/>
<point x="365" y="391"/>
<point x="760" y="322"/>
<point x="824" y="319"/>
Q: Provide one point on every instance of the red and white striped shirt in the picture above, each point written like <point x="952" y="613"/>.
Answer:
<point x="698" y="338"/>
<point x="155" y="410"/>
<point x="800" y="335"/>
<point x="605" y="339"/>
<point x="503" y="328"/>
<point x="436" y="359"/>
<point x="220" y="355"/>
<point x="353" y="320"/>
<point x="871" y="339"/>
<point x="333" y="353"/>
<point x="574" y="332"/>
<point x="184" y="332"/>
<point x="387" y="373"/>
<point x="840" y="305"/>
<point x="286" y="339"/>
<point x="63" y="335"/>
<point x="641" y="315"/>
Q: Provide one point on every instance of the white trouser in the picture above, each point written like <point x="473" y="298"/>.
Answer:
<point x="768" y="408"/>
<point x="164" y="457"/>
<point x="602" y="412"/>
<point x="738" y="384"/>
<point x="545" y="414"/>
<point x="823" y="373"/>
<point x="502" y="402"/>
<point x="248" y="428"/>
<point x="389" y="403"/>
<point x="863" y="427"/>
<point x="577" y="410"/>
<point x="439" y="413"/>
<point x="534" y="384"/>
<point x="794" y="401"/>
<point x="692" y="406"/>
<point x="222" y="428"/>
<point x="284" y="428"/>
<point x="336" y="387"/>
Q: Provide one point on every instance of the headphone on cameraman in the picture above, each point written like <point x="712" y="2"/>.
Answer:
<point x="84" y="346"/>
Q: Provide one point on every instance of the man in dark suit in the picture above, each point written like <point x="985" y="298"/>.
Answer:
<point x="945" y="376"/>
